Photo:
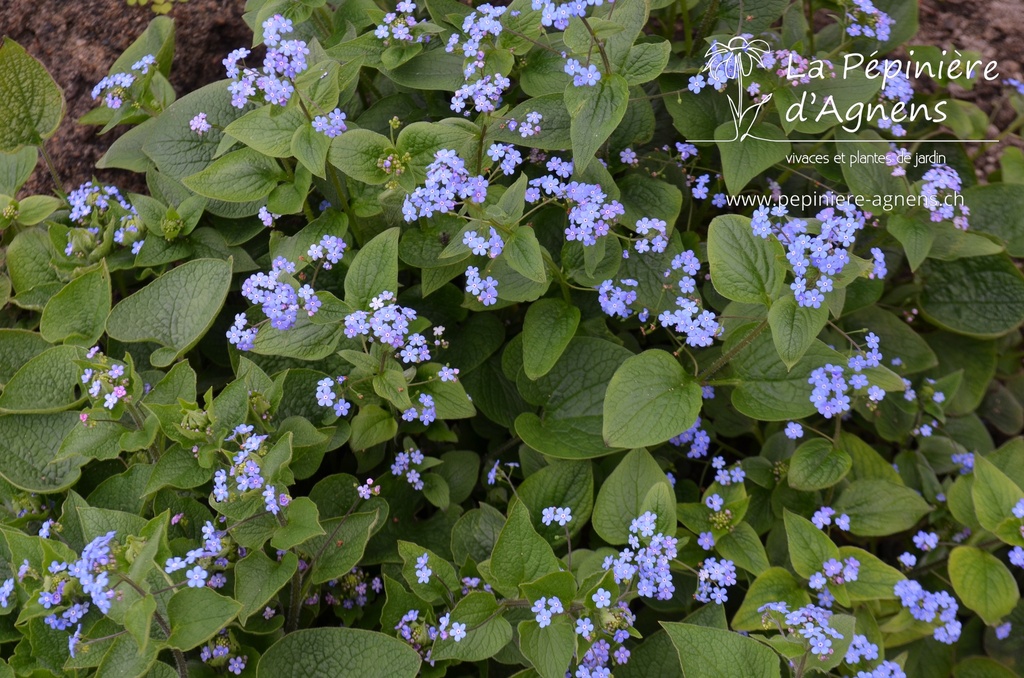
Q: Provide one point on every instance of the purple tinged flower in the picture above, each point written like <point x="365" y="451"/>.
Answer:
<point x="706" y="541"/>
<point x="714" y="502"/>
<point x="794" y="430"/>
<point x="199" y="124"/>
<point x="926" y="541"/>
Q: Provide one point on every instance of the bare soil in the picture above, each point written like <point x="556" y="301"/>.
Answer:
<point x="78" y="40"/>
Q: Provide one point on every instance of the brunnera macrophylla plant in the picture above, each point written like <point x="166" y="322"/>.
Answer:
<point x="562" y="339"/>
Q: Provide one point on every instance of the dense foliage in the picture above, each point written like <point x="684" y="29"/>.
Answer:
<point x="508" y="340"/>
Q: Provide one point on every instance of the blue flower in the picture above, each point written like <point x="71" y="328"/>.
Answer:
<point x="196" y="577"/>
<point x="602" y="598"/>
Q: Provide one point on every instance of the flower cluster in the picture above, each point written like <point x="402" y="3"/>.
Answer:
<point x="866" y="20"/>
<point x="284" y="60"/>
<point x="426" y="412"/>
<point x="246" y="470"/>
<point x="545" y="608"/>
<point x="398" y="25"/>
<point x="280" y="302"/>
<point x="558" y="15"/>
<point x="484" y="289"/>
<point x="330" y="125"/>
<point x="940" y="182"/>
<point x="403" y="466"/>
<point x="508" y="155"/>
<point x="591" y="214"/>
<point x="528" y="127"/>
<point x="420" y="634"/>
<point x="483" y="24"/>
<point x="823" y="517"/>
<point x="116" y="85"/>
<point x="698" y="325"/>
<point x="95" y="208"/>
<point x="389" y="324"/>
<point x="582" y="76"/>
<point x="485" y="94"/>
<point x="725" y="476"/>
<point x="647" y="559"/>
<point x="714" y="578"/>
<point x="926" y="606"/>
<point x="560" y="515"/>
<point x="448" y="182"/>
<point x="696" y="437"/>
<point x="831" y="386"/>
<point x="217" y="652"/>
<point x="198" y="575"/>
<point x="835" y="572"/>
<point x="105" y="379"/>
<point x="68" y="583"/>
<point x="492" y="246"/>
<point x="809" y="623"/>
<point x="615" y="624"/>
<point x="330" y="249"/>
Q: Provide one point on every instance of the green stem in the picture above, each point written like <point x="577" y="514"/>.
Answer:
<point x="53" y="171"/>
<point x="726" y="357"/>
<point x="600" y="45"/>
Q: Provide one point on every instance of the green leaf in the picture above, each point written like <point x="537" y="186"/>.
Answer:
<point x="339" y="652"/>
<point x="915" y="235"/>
<point x="258" y="579"/>
<point x="520" y="554"/>
<point x="646" y="61"/>
<point x="595" y="113"/>
<point x="747" y="157"/>
<point x="549" y="326"/>
<point x="714" y="653"/>
<point x="983" y="583"/>
<point x="356" y="153"/>
<point x="175" y="310"/>
<point x="370" y="426"/>
<point x="899" y="339"/>
<point x="744" y="267"/>
<point x="138" y="618"/>
<point x="31" y="103"/>
<point x="524" y="255"/>
<point x="995" y="495"/>
<point x="443" y="577"/>
<point x="621" y="497"/>
<point x="775" y="584"/>
<point x="998" y="209"/>
<point x="374" y="269"/>
<point x="572" y="394"/>
<point x="342" y="547"/>
<point x="28" y="443"/>
<point x="875" y="580"/>
<point x="46" y="383"/>
<point x="78" y="312"/>
<point x="809" y="547"/>
<point x="303" y="524"/>
<point x="980" y="296"/>
<point x="240" y="176"/>
<point x="816" y="464"/>
<point x="486" y="630"/>
<point x="878" y="507"/>
<point x="794" y="327"/>
<point x="743" y="546"/>
<point x="560" y="483"/>
<point x="767" y="390"/>
<point x="311" y="149"/>
<point x="268" y="129"/>
<point x="198" y="614"/>
<point x="549" y="649"/>
<point x="649" y="399"/>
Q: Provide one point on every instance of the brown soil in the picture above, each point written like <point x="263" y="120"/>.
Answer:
<point x="78" y="40"/>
